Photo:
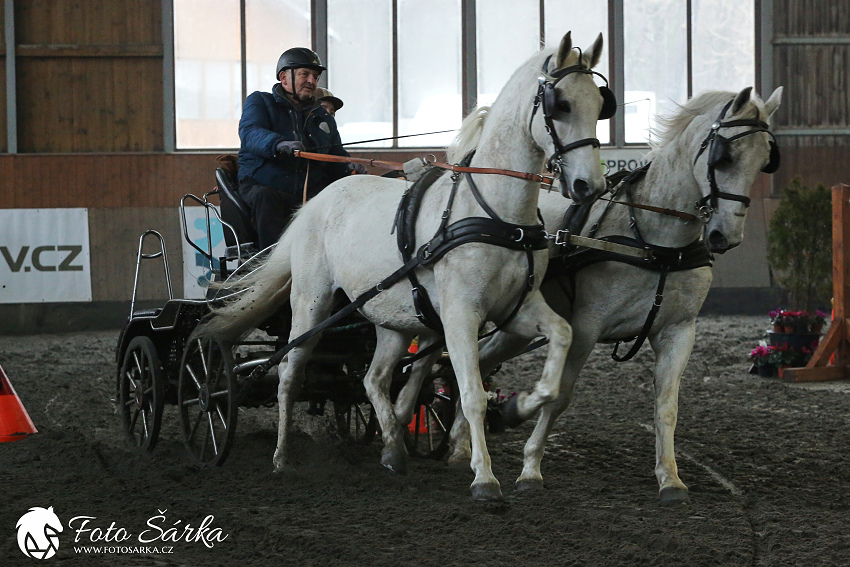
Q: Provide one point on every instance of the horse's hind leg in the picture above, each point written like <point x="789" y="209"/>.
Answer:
<point x="390" y="348"/>
<point x="405" y="404"/>
<point x="307" y="313"/>
<point x="672" y="348"/>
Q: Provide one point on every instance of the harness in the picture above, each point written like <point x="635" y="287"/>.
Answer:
<point x="547" y="98"/>
<point x="659" y="259"/>
<point x="718" y="153"/>
<point x="489" y="230"/>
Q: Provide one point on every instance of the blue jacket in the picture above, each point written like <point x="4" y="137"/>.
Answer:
<point x="268" y="118"/>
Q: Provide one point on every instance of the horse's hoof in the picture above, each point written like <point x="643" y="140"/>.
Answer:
<point x="510" y="412"/>
<point x="487" y="492"/>
<point x="673" y="496"/>
<point x="395" y="461"/>
<point x="529" y="485"/>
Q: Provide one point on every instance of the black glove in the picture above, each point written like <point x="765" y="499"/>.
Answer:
<point x="357" y="168"/>
<point x="285" y="148"/>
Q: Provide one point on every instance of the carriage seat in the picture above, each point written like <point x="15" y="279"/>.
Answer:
<point x="235" y="212"/>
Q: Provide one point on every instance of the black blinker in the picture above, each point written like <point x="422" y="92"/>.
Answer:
<point x="719" y="152"/>
<point x="773" y="163"/>
<point x="609" y="103"/>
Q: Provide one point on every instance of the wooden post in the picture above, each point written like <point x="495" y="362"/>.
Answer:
<point x="836" y="340"/>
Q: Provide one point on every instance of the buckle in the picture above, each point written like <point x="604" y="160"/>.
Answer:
<point x="562" y="237"/>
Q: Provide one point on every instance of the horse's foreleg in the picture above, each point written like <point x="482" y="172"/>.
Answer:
<point x="390" y="348"/>
<point x="461" y="339"/>
<point x="672" y="347"/>
<point x="534" y="319"/>
<point x="531" y="477"/>
<point x="494" y="350"/>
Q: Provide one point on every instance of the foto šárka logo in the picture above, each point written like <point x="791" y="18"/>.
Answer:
<point x="38" y="533"/>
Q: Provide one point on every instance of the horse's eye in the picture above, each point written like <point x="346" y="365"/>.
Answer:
<point x="563" y="106"/>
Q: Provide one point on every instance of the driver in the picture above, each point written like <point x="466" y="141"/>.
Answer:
<point x="273" y="125"/>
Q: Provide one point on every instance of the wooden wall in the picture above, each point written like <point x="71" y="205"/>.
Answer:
<point x="811" y="58"/>
<point x="89" y="75"/>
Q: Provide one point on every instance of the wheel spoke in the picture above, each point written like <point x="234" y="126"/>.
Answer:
<point x="192" y="375"/>
<point x="436" y="418"/>
<point x="145" y="423"/>
<point x="203" y="359"/>
<point x="221" y="416"/>
<point x="138" y="362"/>
<point x="212" y="433"/>
<point x="134" y="419"/>
<point x="129" y="376"/>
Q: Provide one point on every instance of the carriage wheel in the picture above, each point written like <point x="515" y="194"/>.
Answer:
<point x="141" y="394"/>
<point x="356" y="422"/>
<point x="206" y="396"/>
<point x="428" y="433"/>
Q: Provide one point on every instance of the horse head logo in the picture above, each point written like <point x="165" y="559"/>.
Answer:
<point x="38" y="533"/>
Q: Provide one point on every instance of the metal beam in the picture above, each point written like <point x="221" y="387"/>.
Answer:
<point x="618" y="78"/>
<point x="168" y="113"/>
<point x="812" y="132"/>
<point x="766" y="46"/>
<point x="11" y="83"/>
<point x="842" y="40"/>
<point x="320" y="34"/>
<point x="469" y="63"/>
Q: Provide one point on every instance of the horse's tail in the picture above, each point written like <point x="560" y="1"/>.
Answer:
<point x="254" y="297"/>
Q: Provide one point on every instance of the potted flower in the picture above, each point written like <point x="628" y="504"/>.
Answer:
<point x="761" y="357"/>
<point x="779" y="318"/>
<point x="818" y="320"/>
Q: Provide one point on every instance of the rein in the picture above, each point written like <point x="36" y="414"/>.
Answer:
<point x="455" y="168"/>
<point x="395" y="166"/>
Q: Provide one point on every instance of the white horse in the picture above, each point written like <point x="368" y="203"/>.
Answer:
<point x="611" y="300"/>
<point x="342" y="240"/>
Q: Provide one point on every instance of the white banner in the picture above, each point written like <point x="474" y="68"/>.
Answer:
<point x="620" y="158"/>
<point x="44" y="255"/>
<point x="196" y="268"/>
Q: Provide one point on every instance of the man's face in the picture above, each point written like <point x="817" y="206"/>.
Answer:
<point x="306" y="81"/>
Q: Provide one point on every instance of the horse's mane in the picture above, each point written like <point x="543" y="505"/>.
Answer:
<point x="671" y="127"/>
<point x="469" y="135"/>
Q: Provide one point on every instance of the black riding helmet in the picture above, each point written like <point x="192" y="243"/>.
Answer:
<point x="299" y="57"/>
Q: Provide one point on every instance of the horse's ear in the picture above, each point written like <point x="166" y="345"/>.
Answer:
<point x="595" y="51"/>
<point x="773" y="102"/>
<point x="564" y="50"/>
<point x="742" y="99"/>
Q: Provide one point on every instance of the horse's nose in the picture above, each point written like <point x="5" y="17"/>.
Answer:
<point x="581" y="191"/>
<point x="717" y="242"/>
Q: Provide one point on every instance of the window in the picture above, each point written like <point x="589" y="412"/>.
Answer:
<point x="398" y="64"/>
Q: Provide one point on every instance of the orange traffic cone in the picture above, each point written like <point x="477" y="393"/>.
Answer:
<point x="15" y="423"/>
<point x="423" y="421"/>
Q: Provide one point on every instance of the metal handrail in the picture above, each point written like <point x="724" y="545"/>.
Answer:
<point x="154" y="255"/>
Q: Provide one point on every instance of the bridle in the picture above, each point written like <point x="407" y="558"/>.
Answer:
<point x="547" y="99"/>
<point x="718" y="152"/>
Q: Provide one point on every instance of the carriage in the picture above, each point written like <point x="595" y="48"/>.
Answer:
<point x="159" y="362"/>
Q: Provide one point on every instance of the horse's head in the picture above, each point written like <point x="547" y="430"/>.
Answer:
<point x="563" y="120"/>
<point x="733" y="144"/>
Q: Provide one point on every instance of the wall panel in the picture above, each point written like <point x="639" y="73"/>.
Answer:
<point x="89" y="75"/>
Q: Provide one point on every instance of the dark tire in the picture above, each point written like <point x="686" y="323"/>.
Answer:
<point x="141" y="394"/>
<point x="356" y="422"/>
<point x="438" y="400"/>
<point x="206" y="396"/>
